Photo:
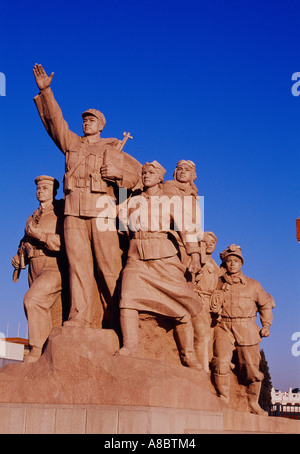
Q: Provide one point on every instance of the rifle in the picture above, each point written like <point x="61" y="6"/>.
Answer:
<point x="115" y="155"/>
<point x="22" y="249"/>
<point x="22" y="266"/>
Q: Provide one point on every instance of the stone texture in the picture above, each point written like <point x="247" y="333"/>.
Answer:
<point x="78" y="367"/>
<point x="78" y="387"/>
<point x="97" y="419"/>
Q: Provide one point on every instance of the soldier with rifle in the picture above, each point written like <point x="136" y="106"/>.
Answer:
<point x="42" y="249"/>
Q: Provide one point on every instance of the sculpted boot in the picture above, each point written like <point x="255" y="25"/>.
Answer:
<point x="185" y="337"/>
<point x="201" y="350"/>
<point x="222" y="385"/>
<point x="34" y="355"/>
<point x="129" y="320"/>
<point x="253" y="391"/>
<point x="202" y="341"/>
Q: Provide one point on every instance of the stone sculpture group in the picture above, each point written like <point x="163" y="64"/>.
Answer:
<point x="140" y="239"/>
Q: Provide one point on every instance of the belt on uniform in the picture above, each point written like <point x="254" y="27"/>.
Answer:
<point x="147" y="235"/>
<point x="42" y="252"/>
<point x="82" y="183"/>
<point x="235" y="319"/>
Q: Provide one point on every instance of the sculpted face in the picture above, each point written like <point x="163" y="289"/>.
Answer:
<point x="91" y="125"/>
<point x="183" y="173"/>
<point x="210" y="242"/>
<point x="233" y="264"/>
<point x="44" y="192"/>
<point x="150" y="177"/>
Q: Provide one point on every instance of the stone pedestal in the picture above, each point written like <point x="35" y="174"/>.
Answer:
<point x="31" y="418"/>
<point x="78" y="366"/>
<point x="79" y="386"/>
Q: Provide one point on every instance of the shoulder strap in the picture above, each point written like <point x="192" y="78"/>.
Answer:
<point x="81" y="158"/>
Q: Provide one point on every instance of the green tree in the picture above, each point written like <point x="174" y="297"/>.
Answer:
<point x="265" y="393"/>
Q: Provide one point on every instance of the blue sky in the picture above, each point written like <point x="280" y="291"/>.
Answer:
<point x="207" y="81"/>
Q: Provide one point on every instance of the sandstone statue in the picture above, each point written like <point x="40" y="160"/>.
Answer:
<point x="153" y="279"/>
<point x="237" y="300"/>
<point x="95" y="169"/>
<point x="183" y="186"/>
<point x="183" y="182"/>
<point x="206" y="281"/>
<point x="42" y="248"/>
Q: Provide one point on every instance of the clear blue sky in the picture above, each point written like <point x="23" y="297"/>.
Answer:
<point x="207" y="81"/>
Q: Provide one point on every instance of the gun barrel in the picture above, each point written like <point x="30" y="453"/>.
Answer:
<point x="126" y="137"/>
<point x="22" y="261"/>
<point x="16" y="274"/>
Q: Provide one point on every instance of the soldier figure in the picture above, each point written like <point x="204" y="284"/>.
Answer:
<point x="42" y="248"/>
<point x="153" y="278"/>
<point x="95" y="169"/>
<point x="205" y="283"/>
<point x="184" y="177"/>
<point x="183" y="186"/>
<point x="237" y="300"/>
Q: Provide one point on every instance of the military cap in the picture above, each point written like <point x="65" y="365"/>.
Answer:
<point x="189" y="163"/>
<point x="233" y="249"/>
<point x="158" y="167"/>
<point x="94" y="113"/>
<point x="47" y="179"/>
<point x="208" y="233"/>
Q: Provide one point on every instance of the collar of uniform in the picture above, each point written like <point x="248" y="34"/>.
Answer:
<point x="109" y="141"/>
<point x="238" y="278"/>
<point x="49" y="207"/>
<point x="209" y="265"/>
<point x="158" y="192"/>
<point x="188" y="188"/>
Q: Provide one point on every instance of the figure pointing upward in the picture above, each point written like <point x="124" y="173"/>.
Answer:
<point x="89" y="176"/>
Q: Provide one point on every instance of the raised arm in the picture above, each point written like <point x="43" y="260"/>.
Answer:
<point x="50" y="112"/>
<point x="43" y="81"/>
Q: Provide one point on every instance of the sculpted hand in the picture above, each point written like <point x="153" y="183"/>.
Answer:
<point x="195" y="265"/>
<point x="15" y="262"/>
<point x="110" y="172"/>
<point x="33" y="230"/>
<point x="265" y="331"/>
<point x="43" y="81"/>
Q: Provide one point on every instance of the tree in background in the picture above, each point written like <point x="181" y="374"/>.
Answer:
<point x="266" y="386"/>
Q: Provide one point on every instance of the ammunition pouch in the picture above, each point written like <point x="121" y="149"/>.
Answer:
<point x="97" y="184"/>
<point x="68" y="183"/>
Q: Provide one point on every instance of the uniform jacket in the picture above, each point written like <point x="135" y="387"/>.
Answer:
<point x="84" y="186"/>
<point x="208" y="277"/>
<point x="51" y="223"/>
<point x="191" y="213"/>
<point x="238" y="300"/>
<point x="149" y="224"/>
